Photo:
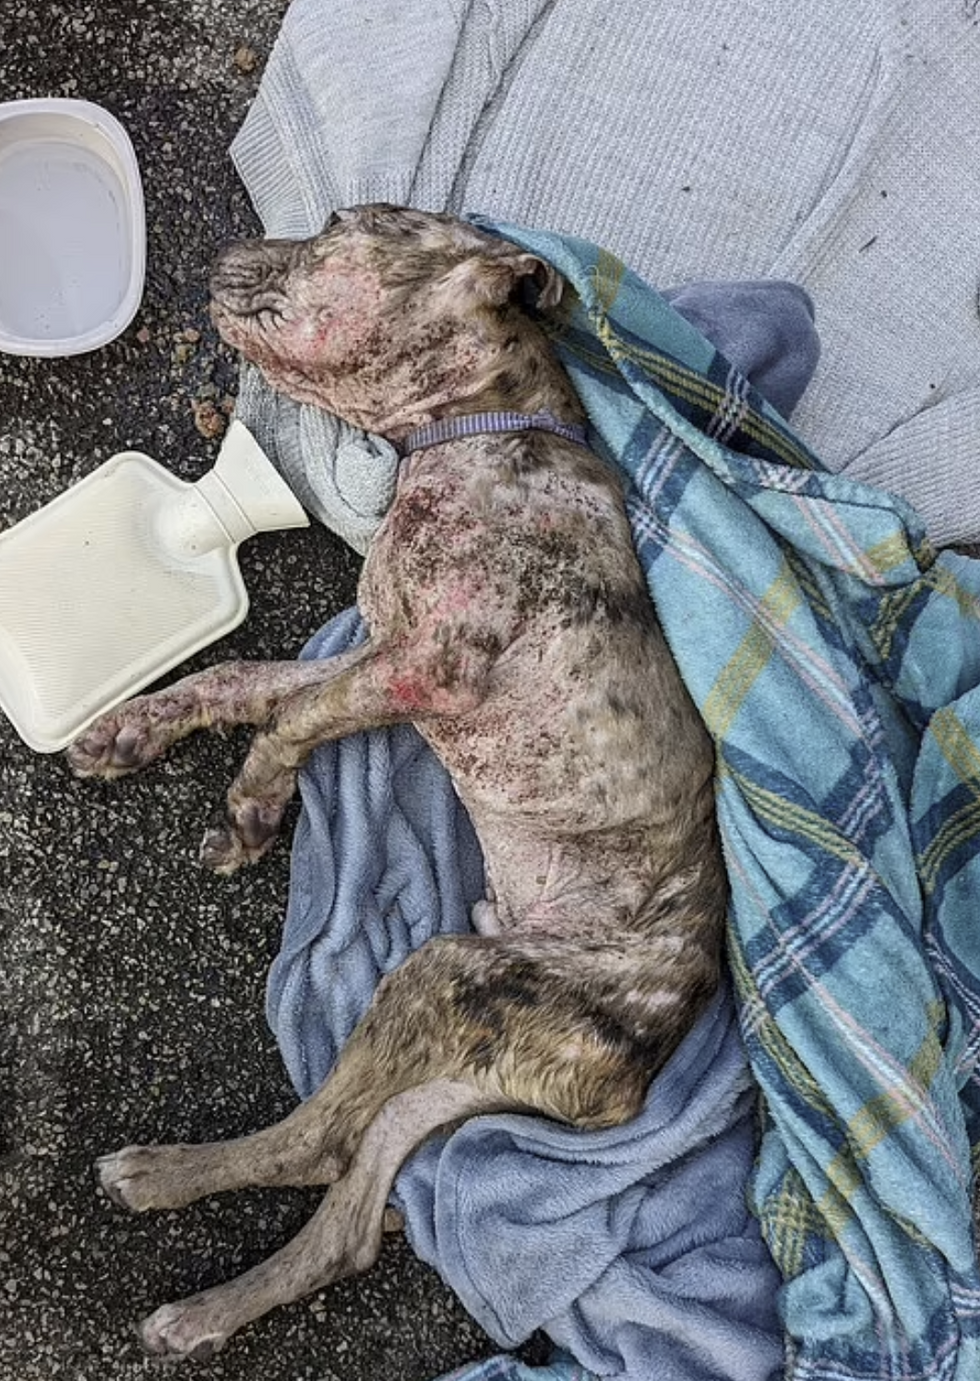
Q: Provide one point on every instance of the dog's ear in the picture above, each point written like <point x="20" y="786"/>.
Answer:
<point x="493" y="279"/>
<point x="548" y="282"/>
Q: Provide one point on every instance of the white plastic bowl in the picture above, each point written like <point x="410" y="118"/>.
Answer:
<point x="72" y="228"/>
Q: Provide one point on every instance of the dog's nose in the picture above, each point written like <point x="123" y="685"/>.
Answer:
<point x="248" y="274"/>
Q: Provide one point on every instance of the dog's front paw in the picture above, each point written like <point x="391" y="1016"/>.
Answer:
<point x="145" y="1177"/>
<point x="233" y="840"/>
<point x="122" y="741"/>
<point x="182" y="1330"/>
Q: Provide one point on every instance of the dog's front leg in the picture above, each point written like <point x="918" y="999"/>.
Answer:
<point x="397" y="683"/>
<point x="141" y="730"/>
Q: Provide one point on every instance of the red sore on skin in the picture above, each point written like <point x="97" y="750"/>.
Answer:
<point x="411" y="692"/>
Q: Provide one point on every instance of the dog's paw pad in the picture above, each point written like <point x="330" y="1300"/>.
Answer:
<point x="181" y="1330"/>
<point x="231" y="843"/>
<point x="112" y="747"/>
<point x="256" y="825"/>
<point x="221" y="849"/>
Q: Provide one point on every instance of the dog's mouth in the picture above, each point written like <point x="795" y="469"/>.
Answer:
<point x="251" y="317"/>
<point x="238" y="321"/>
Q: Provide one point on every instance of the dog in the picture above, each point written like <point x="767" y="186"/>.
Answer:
<point x="510" y="622"/>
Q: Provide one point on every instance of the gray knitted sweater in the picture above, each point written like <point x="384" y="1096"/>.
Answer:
<point x="835" y="143"/>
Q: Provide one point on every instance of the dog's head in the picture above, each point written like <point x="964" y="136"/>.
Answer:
<point x="387" y="313"/>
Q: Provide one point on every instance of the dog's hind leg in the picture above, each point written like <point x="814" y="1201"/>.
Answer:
<point x="510" y="1017"/>
<point x="342" y="1238"/>
<point x="467" y="1024"/>
<point x="411" y="1034"/>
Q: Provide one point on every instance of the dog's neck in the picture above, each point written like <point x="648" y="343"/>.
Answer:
<point x="485" y="370"/>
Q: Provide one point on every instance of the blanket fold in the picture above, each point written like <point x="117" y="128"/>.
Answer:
<point x="858" y="985"/>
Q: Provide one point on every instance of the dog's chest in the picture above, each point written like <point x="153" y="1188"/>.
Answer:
<point x="528" y="651"/>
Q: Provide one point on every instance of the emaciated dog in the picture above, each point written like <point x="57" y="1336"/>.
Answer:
<point x="510" y="622"/>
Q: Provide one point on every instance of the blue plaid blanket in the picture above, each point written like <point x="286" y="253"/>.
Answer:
<point x="836" y="661"/>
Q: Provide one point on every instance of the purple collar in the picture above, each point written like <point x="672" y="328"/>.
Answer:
<point x="476" y="423"/>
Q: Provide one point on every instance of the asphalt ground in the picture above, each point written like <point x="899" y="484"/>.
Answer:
<point x="131" y="982"/>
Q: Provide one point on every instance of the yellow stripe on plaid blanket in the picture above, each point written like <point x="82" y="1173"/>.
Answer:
<point x="738" y="675"/>
<point x="790" y="1220"/>
<point x="805" y="824"/>
<point x="958" y="746"/>
<point x="957" y="830"/>
<point x="766" y="1030"/>
<point x="960" y="826"/>
<point x="889" y="555"/>
<point x="607" y="277"/>
<point x="894" y="608"/>
<point x="874" y="1122"/>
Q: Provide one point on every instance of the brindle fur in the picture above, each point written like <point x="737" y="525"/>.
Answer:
<point x="510" y="622"/>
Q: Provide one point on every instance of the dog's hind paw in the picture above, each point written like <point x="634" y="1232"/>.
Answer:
<point x="145" y="1177"/>
<point x="182" y="1330"/>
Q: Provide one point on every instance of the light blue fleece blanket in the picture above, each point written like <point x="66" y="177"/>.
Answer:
<point x="836" y="662"/>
